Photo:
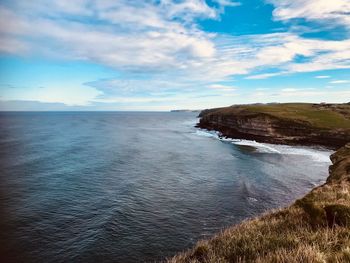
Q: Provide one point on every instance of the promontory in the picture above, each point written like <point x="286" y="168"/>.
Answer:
<point x="287" y="123"/>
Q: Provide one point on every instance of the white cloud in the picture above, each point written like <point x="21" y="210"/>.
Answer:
<point x="188" y="8"/>
<point x="322" y="77"/>
<point x="77" y="95"/>
<point x="164" y="43"/>
<point x="313" y="95"/>
<point x="148" y="38"/>
<point x="289" y="90"/>
<point x="280" y="50"/>
<point x="264" y="76"/>
<point x="12" y="46"/>
<point x="228" y="3"/>
<point x="299" y="95"/>
<point x="324" y="11"/>
<point x="339" y="81"/>
<point x="261" y="89"/>
<point x="222" y="87"/>
<point x="152" y="40"/>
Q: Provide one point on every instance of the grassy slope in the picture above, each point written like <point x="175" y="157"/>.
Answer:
<point x="314" y="229"/>
<point x="322" y="116"/>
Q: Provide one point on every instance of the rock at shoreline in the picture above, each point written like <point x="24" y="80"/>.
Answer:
<point x="291" y="123"/>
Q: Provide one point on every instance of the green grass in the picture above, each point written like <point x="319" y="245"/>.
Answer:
<point x="329" y="117"/>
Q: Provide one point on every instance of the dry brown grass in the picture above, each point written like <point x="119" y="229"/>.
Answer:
<point x="314" y="229"/>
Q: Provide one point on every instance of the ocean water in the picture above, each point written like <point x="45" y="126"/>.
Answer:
<point x="134" y="187"/>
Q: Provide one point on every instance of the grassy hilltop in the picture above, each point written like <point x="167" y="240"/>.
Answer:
<point x="327" y="116"/>
<point x="315" y="228"/>
<point x="283" y="123"/>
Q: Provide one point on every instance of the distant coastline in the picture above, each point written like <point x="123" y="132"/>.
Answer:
<point x="185" y="110"/>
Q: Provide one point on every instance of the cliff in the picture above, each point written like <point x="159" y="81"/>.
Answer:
<point x="291" y="123"/>
<point x="316" y="228"/>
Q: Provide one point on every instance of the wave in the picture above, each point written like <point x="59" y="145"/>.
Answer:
<point x="317" y="154"/>
<point x="252" y="199"/>
<point x="206" y="133"/>
<point x="191" y="123"/>
<point x="260" y="147"/>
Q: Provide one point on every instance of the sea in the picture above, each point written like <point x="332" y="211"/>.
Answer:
<point x="134" y="186"/>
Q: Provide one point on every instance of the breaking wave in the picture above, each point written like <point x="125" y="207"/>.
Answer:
<point x="317" y="154"/>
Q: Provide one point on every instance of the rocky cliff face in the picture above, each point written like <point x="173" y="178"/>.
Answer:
<point x="267" y="128"/>
<point x="339" y="171"/>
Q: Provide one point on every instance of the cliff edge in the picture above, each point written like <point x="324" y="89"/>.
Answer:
<point x="316" y="228"/>
<point x="288" y="123"/>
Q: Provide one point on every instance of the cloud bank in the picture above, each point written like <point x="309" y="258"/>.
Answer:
<point x="160" y="47"/>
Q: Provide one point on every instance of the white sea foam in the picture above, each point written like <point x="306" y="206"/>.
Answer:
<point x="252" y="199"/>
<point x="206" y="133"/>
<point x="191" y="122"/>
<point x="261" y="147"/>
<point x="318" y="155"/>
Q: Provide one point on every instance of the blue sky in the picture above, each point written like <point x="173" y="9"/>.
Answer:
<point x="172" y="54"/>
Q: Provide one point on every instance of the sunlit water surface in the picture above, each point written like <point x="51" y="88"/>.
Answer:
<point x="133" y="187"/>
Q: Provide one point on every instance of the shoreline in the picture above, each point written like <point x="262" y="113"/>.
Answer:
<point x="289" y="124"/>
<point x="312" y="151"/>
<point x="269" y="140"/>
<point x="315" y="228"/>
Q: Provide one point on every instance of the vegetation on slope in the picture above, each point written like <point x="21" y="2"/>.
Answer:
<point x="327" y="116"/>
<point x="315" y="228"/>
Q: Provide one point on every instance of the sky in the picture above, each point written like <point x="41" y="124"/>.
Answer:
<point x="158" y="55"/>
